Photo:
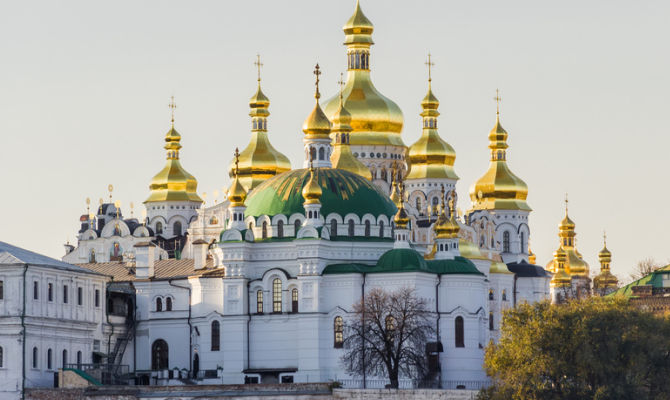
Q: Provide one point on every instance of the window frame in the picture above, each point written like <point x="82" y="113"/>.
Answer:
<point x="259" y="302"/>
<point x="277" y="288"/>
<point x="338" y="332"/>
<point x="215" y="335"/>
<point x="459" y="332"/>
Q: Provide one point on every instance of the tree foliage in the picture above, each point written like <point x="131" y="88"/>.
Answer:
<point x="644" y="267"/>
<point x="387" y="335"/>
<point x="600" y="348"/>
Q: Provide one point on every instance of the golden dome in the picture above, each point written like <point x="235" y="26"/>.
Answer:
<point x="341" y="157"/>
<point x="561" y="278"/>
<point x="259" y="161"/>
<point x="498" y="267"/>
<point x="375" y="119"/>
<point x="312" y="191"/>
<point x="499" y="188"/>
<point x="401" y="219"/>
<point x="575" y="264"/>
<point x="236" y="193"/>
<point x="431" y="157"/>
<point x="173" y="182"/>
<point x="470" y="250"/>
<point x="317" y="124"/>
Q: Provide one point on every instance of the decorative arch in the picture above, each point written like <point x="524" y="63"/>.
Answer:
<point x="159" y="355"/>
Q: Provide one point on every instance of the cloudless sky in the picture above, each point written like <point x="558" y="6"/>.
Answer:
<point x="84" y="89"/>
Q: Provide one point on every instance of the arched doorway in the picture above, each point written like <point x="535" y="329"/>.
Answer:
<point x="196" y="365"/>
<point x="159" y="355"/>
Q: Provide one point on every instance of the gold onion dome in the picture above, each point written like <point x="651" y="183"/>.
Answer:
<point x="561" y="277"/>
<point x="395" y="196"/>
<point x="317" y="124"/>
<point x="575" y="264"/>
<point x="431" y="157"/>
<point x="375" y="119"/>
<point x="342" y="158"/>
<point x="236" y="193"/>
<point x="312" y="191"/>
<point x="401" y="218"/>
<point x="259" y="161"/>
<point x="499" y="188"/>
<point x="173" y="182"/>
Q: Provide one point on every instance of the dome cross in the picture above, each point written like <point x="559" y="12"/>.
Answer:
<point x="430" y="64"/>
<point x="317" y="72"/>
<point x="237" y="161"/>
<point x="258" y="65"/>
<point x="498" y="99"/>
<point x="172" y="106"/>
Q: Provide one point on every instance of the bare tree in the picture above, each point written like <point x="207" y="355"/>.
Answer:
<point x="387" y="335"/>
<point x="644" y="267"/>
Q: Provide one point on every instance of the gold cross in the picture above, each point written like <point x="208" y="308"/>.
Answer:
<point x="566" y="204"/>
<point x="258" y="65"/>
<point x="172" y="107"/>
<point x="497" y="99"/>
<point x="317" y="72"/>
<point x="237" y="161"/>
<point x="605" y="238"/>
<point x="430" y="64"/>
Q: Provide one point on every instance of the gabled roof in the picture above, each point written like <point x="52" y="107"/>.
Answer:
<point x="163" y="269"/>
<point x="525" y="270"/>
<point x="12" y="255"/>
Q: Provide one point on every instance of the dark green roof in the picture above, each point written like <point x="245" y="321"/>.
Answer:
<point x="406" y="260"/>
<point x="343" y="192"/>
<point x="655" y="279"/>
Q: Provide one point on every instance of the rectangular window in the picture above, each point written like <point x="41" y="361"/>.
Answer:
<point x="65" y="294"/>
<point x="36" y="290"/>
<point x="259" y="302"/>
<point x="97" y="297"/>
<point x="80" y="296"/>
<point x="50" y="291"/>
<point x="2" y="290"/>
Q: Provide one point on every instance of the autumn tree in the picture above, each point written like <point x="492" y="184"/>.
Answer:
<point x="387" y="335"/>
<point x="599" y="348"/>
<point x="644" y="267"/>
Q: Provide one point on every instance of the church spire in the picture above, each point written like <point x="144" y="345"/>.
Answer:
<point x="259" y="161"/>
<point x="317" y="132"/>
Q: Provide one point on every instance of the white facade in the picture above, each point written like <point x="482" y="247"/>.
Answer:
<point x="53" y="314"/>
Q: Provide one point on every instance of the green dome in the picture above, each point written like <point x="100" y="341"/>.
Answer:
<point x="343" y="193"/>
<point x="401" y="260"/>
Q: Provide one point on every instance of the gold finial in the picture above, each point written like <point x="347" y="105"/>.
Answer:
<point x="100" y="201"/>
<point x="110" y="188"/>
<point x="237" y="161"/>
<point x="498" y="99"/>
<point x="566" y="204"/>
<point x="144" y="217"/>
<point x="172" y="106"/>
<point x="132" y="209"/>
<point x="88" y="205"/>
<point x="258" y="65"/>
<point x="117" y="205"/>
<point x="317" y="72"/>
<point x="216" y="196"/>
<point x="430" y="64"/>
<point x="605" y="238"/>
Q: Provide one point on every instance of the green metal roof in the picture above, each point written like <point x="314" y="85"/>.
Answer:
<point x="655" y="279"/>
<point x="406" y="260"/>
<point x="343" y="192"/>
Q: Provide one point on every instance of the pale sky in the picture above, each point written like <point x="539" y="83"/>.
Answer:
<point x="585" y="85"/>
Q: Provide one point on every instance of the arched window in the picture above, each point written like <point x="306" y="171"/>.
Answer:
<point x="312" y="153"/>
<point x="294" y="300"/>
<point x="216" y="335"/>
<point x="490" y="321"/>
<point x="338" y="332"/>
<point x="159" y="228"/>
<point x="176" y="228"/>
<point x="506" y="242"/>
<point x="276" y="295"/>
<point x="159" y="355"/>
<point x="435" y="201"/>
<point x="333" y="227"/>
<point x="116" y="250"/>
<point x="159" y="304"/>
<point x="351" y="227"/>
<point x="296" y="227"/>
<point x="117" y="230"/>
<point x="91" y="256"/>
<point x="64" y="358"/>
<point x="2" y="360"/>
<point x="459" y="332"/>
<point x="168" y="304"/>
<point x="381" y="229"/>
<point x="49" y="359"/>
<point x="259" y="302"/>
<point x="79" y="359"/>
<point x="418" y="204"/>
<point x="504" y="295"/>
<point x="384" y="174"/>
<point x="264" y="230"/>
<point x="367" y="228"/>
<point x="482" y="241"/>
<point x="490" y="294"/>
<point x="522" y="238"/>
<point x="35" y="355"/>
<point x="322" y="153"/>
<point x="280" y="229"/>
